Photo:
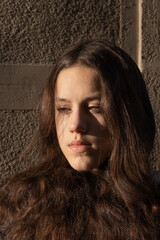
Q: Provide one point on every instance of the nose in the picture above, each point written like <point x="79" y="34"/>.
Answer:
<point x="78" y="122"/>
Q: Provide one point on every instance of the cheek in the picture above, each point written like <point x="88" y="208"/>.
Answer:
<point x="101" y="121"/>
<point x="105" y="139"/>
<point x="98" y="126"/>
<point x="98" y="120"/>
<point x="61" y="126"/>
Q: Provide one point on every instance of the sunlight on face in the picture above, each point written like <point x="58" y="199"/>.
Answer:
<point x="80" y="125"/>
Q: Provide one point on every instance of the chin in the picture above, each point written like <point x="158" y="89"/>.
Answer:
<point x="83" y="168"/>
<point x="82" y="163"/>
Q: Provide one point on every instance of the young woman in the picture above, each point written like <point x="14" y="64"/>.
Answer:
<point x="97" y="131"/>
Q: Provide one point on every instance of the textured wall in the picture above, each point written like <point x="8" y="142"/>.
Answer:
<point x="32" y="35"/>
<point x="17" y="130"/>
<point x="151" y="63"/>
<point x="37" y="31"/>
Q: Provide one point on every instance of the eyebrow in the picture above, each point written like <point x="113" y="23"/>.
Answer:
<point x="61" y="100"/>
<point x="91" y="98"/>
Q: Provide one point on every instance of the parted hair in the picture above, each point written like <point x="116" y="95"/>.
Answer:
<point x="120" y="201"/>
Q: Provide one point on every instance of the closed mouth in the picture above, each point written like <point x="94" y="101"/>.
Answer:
<point x="79" y="146"/>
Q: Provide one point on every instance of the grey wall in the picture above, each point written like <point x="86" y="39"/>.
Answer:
<point x="151" y="64"/>
<point x="33" y="33"/>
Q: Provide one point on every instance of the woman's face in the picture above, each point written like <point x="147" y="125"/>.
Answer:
<point x="81" y="129"/>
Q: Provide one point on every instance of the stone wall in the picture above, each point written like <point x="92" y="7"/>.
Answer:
<point x="151" y="63"/>
<point x="33" y="33"/>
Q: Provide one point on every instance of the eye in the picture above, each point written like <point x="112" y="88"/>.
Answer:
<point x="95" y="108"/>
<point x="64" y="110"/>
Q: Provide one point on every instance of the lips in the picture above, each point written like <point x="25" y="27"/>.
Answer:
<point x="79" y="146"/>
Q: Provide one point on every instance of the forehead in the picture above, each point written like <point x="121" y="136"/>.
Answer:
<point x="77" y="80"/>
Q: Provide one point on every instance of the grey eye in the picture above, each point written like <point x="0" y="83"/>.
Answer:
<point x="63" y="110"/>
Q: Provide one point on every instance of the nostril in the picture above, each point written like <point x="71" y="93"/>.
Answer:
<point x="78" y="128"/>
<point x="78" y="125"/>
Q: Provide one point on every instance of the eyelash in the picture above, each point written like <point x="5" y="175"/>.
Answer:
<point x="95" y="108"/>
<point x="66" y="110"/>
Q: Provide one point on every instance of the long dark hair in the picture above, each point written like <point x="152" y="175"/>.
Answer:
<point x="119" y="201"/>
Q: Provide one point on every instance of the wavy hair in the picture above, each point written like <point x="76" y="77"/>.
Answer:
<point x="52" y="201"/>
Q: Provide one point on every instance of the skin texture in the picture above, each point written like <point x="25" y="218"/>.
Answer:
<point x="81" y="129"/>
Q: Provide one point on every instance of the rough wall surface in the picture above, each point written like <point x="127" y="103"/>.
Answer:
<point x="35" y="32"/>
<point x="16" y="130"/>
<point x="151" y="63"/>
